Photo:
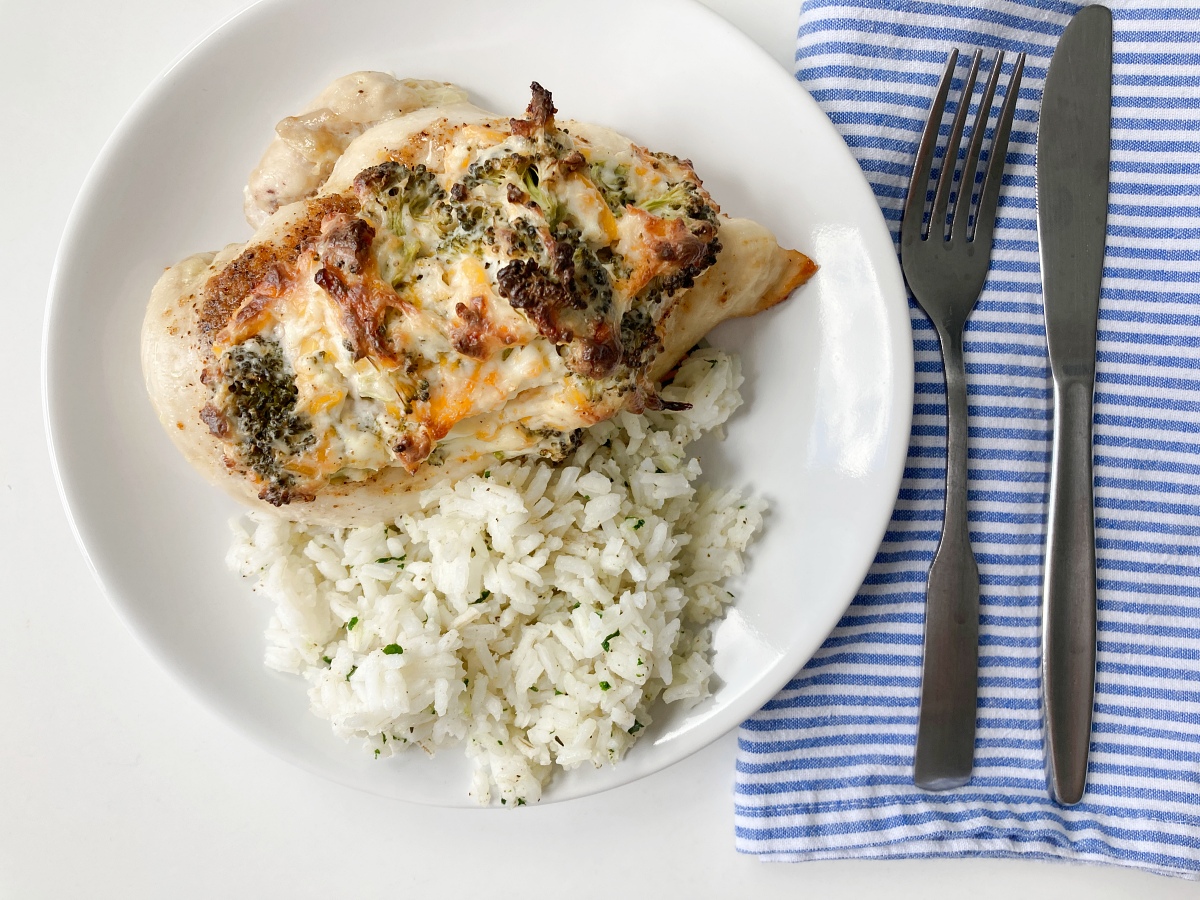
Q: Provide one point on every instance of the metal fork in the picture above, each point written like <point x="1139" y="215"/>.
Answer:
<point x="946" y="275"/>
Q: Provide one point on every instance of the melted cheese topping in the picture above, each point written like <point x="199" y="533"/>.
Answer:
<point x="482" y="282"/>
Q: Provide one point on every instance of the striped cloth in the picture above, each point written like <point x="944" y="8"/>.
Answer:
<point x="824" y="770"/>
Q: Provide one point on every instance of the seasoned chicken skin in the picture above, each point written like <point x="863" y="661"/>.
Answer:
<point x="459" y="288"/>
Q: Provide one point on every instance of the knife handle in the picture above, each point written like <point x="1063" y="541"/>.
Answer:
<point x="1069" y="595"/>
<point x="945" y="748"/>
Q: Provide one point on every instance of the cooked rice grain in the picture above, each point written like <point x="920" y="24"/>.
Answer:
<point x="535" y="613"/>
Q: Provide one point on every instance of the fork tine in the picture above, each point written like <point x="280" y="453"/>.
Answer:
<point x="966" y="187"/>
<point x="985" y="219"/>
<point x="918" y="187"/>
<point x="937" y="218"/>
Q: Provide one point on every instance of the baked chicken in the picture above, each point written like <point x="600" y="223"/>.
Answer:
<point x="433" y="287"/>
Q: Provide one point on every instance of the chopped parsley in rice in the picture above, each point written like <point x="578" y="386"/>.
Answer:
<point x="535" y="615"/>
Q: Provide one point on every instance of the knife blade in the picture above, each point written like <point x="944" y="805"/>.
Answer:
<point x="1072" y="211"/>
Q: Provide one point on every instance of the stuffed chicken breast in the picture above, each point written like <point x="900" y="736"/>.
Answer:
<point x="433" y="287"/>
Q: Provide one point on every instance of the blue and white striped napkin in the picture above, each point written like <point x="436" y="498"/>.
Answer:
<point x="824" y="770"/>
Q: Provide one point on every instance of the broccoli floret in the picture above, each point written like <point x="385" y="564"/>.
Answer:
<point x="260" y="403"/>
<point x="464" y="227"/>
<point x="495" y="170"/>
<point x="543" y="198"/>
<point x="639" y="338"/>
<point x="399" y="196"/>
<point x="523" y="239"/>
<point x="592" y="281"/>
<point x="680" y="199"/>
<point x="418" y="217"/>
<point x="613" y="184"/>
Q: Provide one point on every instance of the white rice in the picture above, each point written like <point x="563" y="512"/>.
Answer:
<point x="535" y="612"/>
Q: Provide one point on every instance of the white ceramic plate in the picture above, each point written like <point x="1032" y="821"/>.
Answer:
<point x="829" y="374"/>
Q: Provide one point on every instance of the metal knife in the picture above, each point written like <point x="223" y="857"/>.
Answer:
<point x="1072" y="212"/>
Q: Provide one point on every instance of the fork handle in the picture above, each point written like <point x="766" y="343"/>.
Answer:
<point x="945" y="747"/>
<point x="1069" y="594"/>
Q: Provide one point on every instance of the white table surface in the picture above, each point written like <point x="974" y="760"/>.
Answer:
<point x="115" y="783"/>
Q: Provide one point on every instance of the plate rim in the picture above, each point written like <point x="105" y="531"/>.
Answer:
<point x="797" y="653"/>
